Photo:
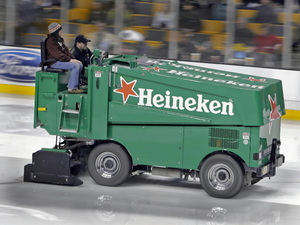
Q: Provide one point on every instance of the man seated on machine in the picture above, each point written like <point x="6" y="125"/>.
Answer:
<point x="82" y="53"/>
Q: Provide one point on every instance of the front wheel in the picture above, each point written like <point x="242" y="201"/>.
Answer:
<point x="109" y="164"/>
<point x="221" y="176"/>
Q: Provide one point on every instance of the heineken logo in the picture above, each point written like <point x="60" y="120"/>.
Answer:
<point x="218" y="80"/>
<point x="274" y="114"/>
<point x="126" y="89"/>
<point x="198" y="103"/>
<point x="157" y="69"/>
<point x="255" y="79"/>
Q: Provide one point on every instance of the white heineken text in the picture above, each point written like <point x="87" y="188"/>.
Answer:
<point x="198" y="104"/>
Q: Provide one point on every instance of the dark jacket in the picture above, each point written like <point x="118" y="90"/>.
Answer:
<point x="59" y="52"/>
<point x="83" y="56"/>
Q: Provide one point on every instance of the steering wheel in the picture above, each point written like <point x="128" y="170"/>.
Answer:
<point x="98" y="57"/>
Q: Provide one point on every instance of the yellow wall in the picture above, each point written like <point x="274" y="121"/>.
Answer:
<point x="17" y="89"/>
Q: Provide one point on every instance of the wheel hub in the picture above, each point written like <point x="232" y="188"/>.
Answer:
<point x="220" y="177"/>
<point x="107" y="164"/>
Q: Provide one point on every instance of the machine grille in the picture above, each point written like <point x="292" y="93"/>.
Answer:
<point x="223" y="138"/>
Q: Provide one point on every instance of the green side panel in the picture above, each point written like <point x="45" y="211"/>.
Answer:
<point x="256" y="145"/>
<point x="172" y="93"/>
<point x="151" y="145"/>
<point x="200" y="141"/>
<point x="97" y="112"/>
<point x="47" y="87"/>
<point x="181" y="147"/>
<point x="157" y="101"/>
<point x="125" y="114"/>
<point x="52" y="99"/>
<point x="48" y="119"/>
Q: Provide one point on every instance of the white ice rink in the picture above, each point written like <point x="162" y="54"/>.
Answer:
<point x="142" y="199"/>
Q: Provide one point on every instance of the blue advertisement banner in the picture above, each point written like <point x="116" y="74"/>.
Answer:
<point x="19" y="65"/>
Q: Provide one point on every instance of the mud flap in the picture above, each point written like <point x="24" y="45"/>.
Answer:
<point x="51" y="166"/>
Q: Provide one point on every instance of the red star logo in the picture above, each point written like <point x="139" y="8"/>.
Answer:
<point x="254" y="79"/>
<point x="147" y="68"/>
<point x="274" y="114"/>
<point x="157" y="69"/>
<point x="126" y="89"/>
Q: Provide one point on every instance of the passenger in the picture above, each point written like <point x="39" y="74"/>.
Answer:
<point x="62" y="57"/>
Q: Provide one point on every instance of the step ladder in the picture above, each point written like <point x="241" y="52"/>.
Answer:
<point x="65" y="111"/>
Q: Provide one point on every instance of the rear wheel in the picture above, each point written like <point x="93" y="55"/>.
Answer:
<point x="109" y="164"/>
<point x="221" y="176"/>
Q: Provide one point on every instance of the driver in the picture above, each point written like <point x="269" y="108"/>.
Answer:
<point x="81" y="52"/>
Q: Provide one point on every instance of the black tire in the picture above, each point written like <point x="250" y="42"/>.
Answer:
<point x="109" y="164"/>
<point x="221" y="176"/>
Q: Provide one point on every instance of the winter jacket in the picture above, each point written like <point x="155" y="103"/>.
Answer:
<point x="82" y="55"/>
<point x="57" y="51"/>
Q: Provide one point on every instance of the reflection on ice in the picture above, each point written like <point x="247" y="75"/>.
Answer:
<point x="217" y="216"/>
<point x="105" y="208"/>
<point x="164" y="207"/>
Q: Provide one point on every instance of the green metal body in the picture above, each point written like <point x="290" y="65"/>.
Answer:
<point x="165" y="113"/>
